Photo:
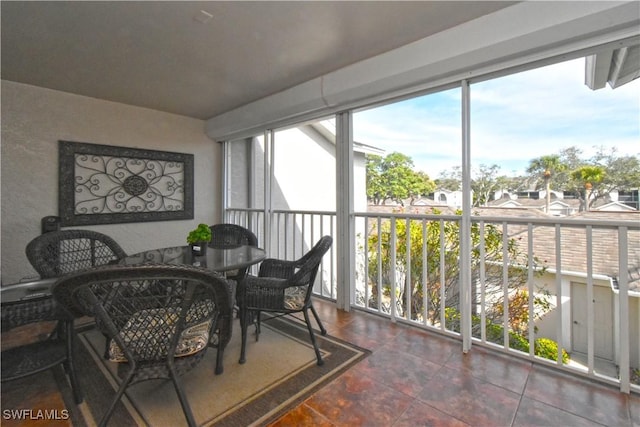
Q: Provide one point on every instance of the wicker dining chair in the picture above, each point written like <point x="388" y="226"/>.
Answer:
<point x="283" y="288"/>
<point x="57" y="253"/>
<point x="230" y="235"/>
<point x="41" y="354"/>
<point x="157" y="318"/>
<point x="52" y="255"/>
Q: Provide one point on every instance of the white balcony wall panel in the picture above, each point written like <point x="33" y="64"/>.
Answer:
<point x="305" y="172"/>
<point x="240" y="163"/>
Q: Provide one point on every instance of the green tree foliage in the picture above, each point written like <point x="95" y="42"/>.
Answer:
<point x="485" y="183"/>
<point x="543" y="347"/>
<point x="393" y="178"/>
<point x="604" y="172"/>
<point x="621" y="173"/>
<point x="450" y="180"/>
<point x="375" y="184"/>
<point x="434" y="247"/>
<point x="588" y="177"/>
<point x="545" y="169"/>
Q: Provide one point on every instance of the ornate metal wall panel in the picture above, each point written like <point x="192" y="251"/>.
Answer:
<point x="103" y="184"/>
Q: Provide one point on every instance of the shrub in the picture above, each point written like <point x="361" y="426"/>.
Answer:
<point x="544" y="347"/>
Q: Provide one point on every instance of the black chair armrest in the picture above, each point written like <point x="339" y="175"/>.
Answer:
<point x="253" y="282"/>
<point x="282" y="269"/>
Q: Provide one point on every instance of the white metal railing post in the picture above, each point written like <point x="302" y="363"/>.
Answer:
<point x="268" y="176"/>
<point x="392" y="270"/>
<point x="345" y="236"/>
<point x="623" y="295"/>
<point x="465" y="223"/>
<point x="224" y="179"/>
<point x="558" y="283"/>
<point x="590" y="307"/>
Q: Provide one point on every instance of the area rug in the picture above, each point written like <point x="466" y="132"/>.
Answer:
<point x="280" y="372"/>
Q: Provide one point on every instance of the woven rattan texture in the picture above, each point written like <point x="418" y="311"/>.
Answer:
<point x="146" y="309"/>
<point x="277" y="283"/>
<point x="60" y="252"/>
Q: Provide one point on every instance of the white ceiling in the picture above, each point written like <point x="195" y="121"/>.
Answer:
<point x="160" y="55"/>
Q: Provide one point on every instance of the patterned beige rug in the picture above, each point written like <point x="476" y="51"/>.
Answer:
<point x="280" y="372"/>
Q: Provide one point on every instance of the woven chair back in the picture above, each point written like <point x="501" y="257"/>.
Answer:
<point x="225" y="235"/>
<point x="61" y="252"/>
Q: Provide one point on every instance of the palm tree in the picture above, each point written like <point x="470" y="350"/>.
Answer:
<point x="547" y="166"/>
<point x="588" y="176"/>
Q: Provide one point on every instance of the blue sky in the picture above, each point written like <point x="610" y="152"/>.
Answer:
<point x="513" y="120"/>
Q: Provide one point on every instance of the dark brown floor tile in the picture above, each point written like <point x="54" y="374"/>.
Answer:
<point x="451" y="388"/>
<point x="37" y="393"/>
<point x="532" y="413"/>
<point x="476" y="402"/>
<point x="26" y="334"/>
<point x="427" y="345"/>
<point x="357" y="400"/>
<point x="330" y="315"/>
<point x="420" y="414"/>
<point x="302" y="416"/>
<point x="403" y="372"/>
<point x="375" y="326"/>
<point x="582" y="397"/>
<point x="502" y="370"/>
<point x="359" y="339"/>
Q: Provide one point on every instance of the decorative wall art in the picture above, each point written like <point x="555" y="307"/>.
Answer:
<point x="103" y="184"/>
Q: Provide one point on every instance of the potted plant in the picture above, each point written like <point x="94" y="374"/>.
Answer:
<point x="199" y="238"/>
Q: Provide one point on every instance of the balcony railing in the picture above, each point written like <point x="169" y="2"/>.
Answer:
<point x="531" y="279"/>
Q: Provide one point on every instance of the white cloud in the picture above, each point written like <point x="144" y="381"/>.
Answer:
<point x="513" y="120"/>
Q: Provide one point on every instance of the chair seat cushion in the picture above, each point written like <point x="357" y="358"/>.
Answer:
<point x="294" y="297"/>
<point x="151" y="329"/>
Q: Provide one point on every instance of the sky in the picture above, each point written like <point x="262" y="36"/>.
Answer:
<point x="513" y="119"/>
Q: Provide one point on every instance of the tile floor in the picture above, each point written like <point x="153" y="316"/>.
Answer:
<point x="415" y="378"/>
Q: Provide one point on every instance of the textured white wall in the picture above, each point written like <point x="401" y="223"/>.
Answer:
<point x="34" y="119"/>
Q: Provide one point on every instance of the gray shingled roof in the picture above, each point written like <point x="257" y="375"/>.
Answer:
<point x="573" y="245"/>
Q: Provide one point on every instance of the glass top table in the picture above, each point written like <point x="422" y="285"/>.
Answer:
<point x="218" y="259"/>
<point x="35" y="289"/>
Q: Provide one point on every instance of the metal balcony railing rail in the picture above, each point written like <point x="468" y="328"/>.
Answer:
<point x="531" y="280"/>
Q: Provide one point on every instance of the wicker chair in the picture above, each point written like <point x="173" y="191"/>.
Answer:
<point x="52" y="255"/>
<point x="157" y="317"/>
<point x="60" y="252"/>
<point x="229" y="235"/>
<point x="57" y="253"/>
<point x="41" y="354"/>
<point x="282" y="287"/>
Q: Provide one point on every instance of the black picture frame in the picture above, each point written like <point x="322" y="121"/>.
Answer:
<point x="105" y="184"/>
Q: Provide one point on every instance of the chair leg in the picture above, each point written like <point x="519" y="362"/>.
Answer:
<point x="221" y="343"/>
<point x="257" y="321"/>
<point x="106" y="347"/>
<point x="183" y="399"/>
<point x="219" y="358"/>
<point x="313" y="337"/>
<point x="244" y="320"/>
<point x="112" y="406"/>
<point x="71" y="369"/>
<point x="323" y="331"/>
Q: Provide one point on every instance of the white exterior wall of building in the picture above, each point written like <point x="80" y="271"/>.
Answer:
<point x="547" y="325"/>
